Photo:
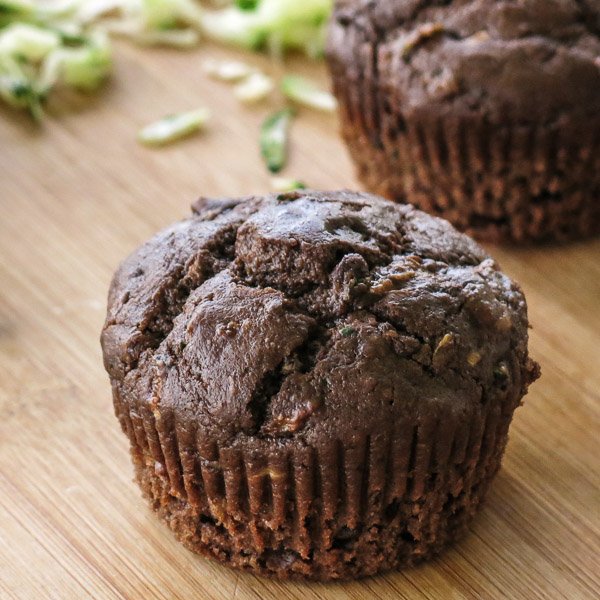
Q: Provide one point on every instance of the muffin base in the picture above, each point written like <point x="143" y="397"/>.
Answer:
<point x="496" y="193"/>
<point x="378" y="548"/>
<point x="497" y="183"/>
<point x="387" y="502"/>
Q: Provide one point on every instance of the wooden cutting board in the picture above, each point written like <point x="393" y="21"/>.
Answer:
<point x="79" y="194"/>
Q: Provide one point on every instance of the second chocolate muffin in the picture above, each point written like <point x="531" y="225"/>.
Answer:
<point x="315" y="384"/>
<point x="485" y="112"/>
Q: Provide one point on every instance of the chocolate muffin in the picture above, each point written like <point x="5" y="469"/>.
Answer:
<point x="315" y="384"/>
<point x="485" y="112"/>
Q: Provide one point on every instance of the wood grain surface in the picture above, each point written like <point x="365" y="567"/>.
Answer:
<point x="75" y="198"/>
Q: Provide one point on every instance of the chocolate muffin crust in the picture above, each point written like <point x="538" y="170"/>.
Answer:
<point x="315" y="384"/>
<point x="486" y="112"/>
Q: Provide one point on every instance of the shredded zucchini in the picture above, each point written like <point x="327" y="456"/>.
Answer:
<point x="173" y="127"/>
<point x="304" y="91"/>
<point x="254" y="88"/>
<point x="28" y="43"/>
<point x="147" y="22"/>
<point x="169" y="14"/>
<point x="275" y="25"/>
<point x="274" y="139"/>
<point x="16" y="11"/>
<point x="231" y="70"/>
<point x="17" y="91"/>
<point x="46" y="44"/>
<point x="39" y="50"/>
<point x="86" y="67"/>
<point x="285" y="184"/>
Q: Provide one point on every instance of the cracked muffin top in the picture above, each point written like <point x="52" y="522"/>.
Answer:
<point x="308" y="315"/>
<point x="521" y="60"/>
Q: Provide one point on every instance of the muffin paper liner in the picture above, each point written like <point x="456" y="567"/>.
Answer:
<point x="343" y="509"/>
<point x="510" y="182"/>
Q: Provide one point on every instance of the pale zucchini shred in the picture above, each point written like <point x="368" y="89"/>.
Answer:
<point x="170" y="14"/>
<point x="84" y="67"/>
<point x="28" y="42"/>
<point x="275" y="25"/>
<point x="227" y="70"/>
<point x="92" y="10"/>
<point x="38" y="51"/>
<point x="173" y="127"/>
<point x="254" y="88"/>
<point x="17" y="91"/>
<point x="87" y="66"/>
<point x="148" y="22"/>
<point x="23" y="47"/>
<point x="305" y="92"/>
<point x="286" y="184"/>
<point x="62" y="42"/>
